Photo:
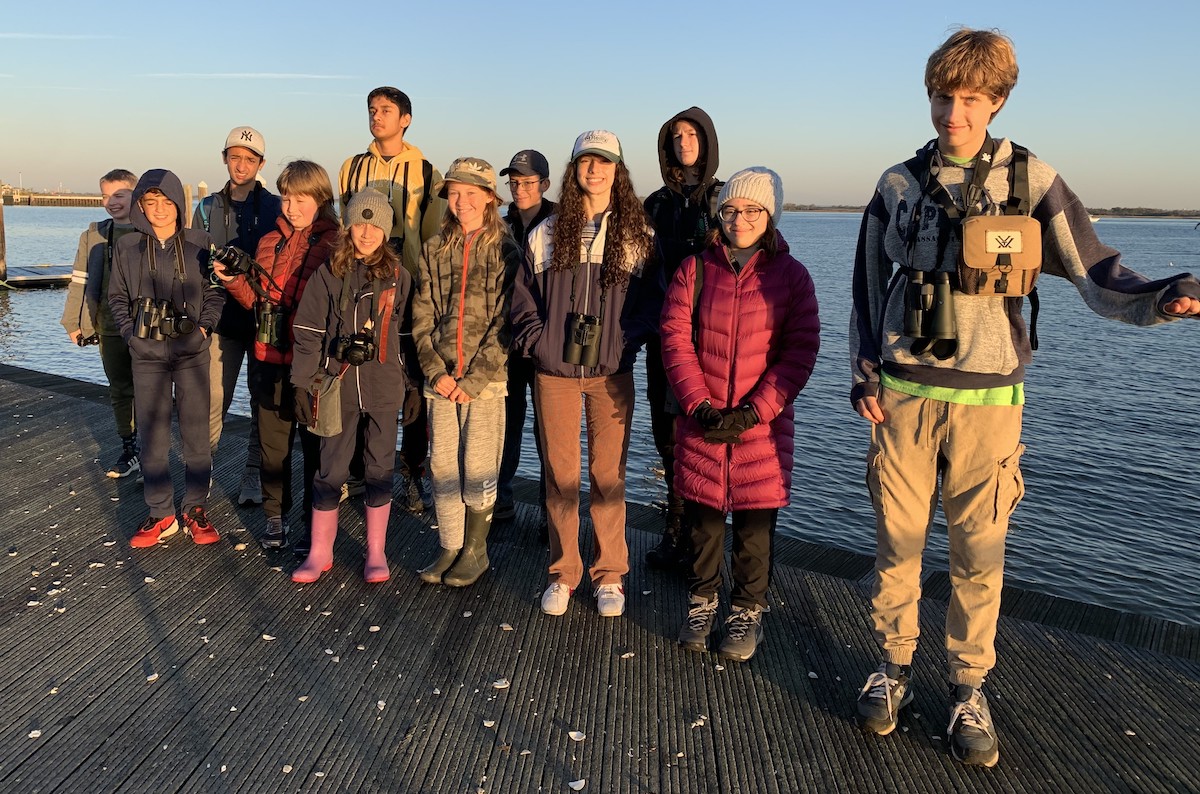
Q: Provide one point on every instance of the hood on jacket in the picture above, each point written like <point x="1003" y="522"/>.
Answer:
<point x="169" y="185"/>
<point x="666" y="152"/>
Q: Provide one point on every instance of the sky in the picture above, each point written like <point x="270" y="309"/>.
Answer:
<point x="827" y="94"/>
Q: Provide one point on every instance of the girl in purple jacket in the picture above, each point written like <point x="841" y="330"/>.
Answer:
<point x="740" y="334"/>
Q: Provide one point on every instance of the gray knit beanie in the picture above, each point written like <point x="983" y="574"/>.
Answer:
<point x="370" y="206"/>
<point x="758" y="184"/>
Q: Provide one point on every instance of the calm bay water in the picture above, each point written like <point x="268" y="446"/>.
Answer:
<point x="1112" y="511"/>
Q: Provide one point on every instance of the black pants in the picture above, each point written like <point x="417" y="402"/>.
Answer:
<point x="414" y="445"/>
<point x="662" y="421"/>
<point x="520" y="379"/>
<point x="156" y="369"/>
<point x="753" y="549"/>
<point x="277" y="429"/>
<point x="379" y="458"/>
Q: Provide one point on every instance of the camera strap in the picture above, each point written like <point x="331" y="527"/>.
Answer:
<point x="378" y="319"/>
<point x="180" y="271"/>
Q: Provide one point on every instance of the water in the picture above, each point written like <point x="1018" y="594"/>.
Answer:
<point x="1112" y="511"/>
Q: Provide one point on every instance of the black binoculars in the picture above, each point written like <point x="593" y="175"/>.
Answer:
<point x="929" y="313"/>
<point x="582" y="345"/>
<point x="159" y="320"/>
<point x="84" y="341"/>
<point x="272" y="330"/>
<point x="356" y="349"/>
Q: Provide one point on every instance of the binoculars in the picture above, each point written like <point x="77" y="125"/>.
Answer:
<point x="159" y="320"/>
<point x="271" y="329"/>
<point x="582" y="345"/>
<point x="355" y="350"/>
<point x="929" y="313"/>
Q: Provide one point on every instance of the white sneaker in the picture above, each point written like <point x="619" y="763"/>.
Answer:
<point x="555" y="599"/>
<point x="610" y="600"/>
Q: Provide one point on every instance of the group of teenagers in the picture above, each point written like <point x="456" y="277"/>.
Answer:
<point x="422" y="306"/>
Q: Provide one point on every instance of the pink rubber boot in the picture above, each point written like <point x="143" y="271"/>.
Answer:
<point x="376" y="569"/>
<point x="320" y="555"/>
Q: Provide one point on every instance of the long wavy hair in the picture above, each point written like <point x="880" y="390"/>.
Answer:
<point x="383" y="263"/>
<point x="627" y="240"/>
<point x="492" y="234"/>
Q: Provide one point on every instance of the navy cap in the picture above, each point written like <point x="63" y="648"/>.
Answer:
<point x="528" y="162"/>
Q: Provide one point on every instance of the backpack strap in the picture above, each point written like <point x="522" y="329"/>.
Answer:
<point x="351" y="186"/>
<point x="426" y="183"/>
<point x="205" y="207"/>
<point x="1019" y="201"/>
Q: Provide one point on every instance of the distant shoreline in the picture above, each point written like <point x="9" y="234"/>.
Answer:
<point x="1186" y="215"/>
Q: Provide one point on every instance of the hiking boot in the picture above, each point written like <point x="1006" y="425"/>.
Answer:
<point x="276" y="536"/>
<point x="199" y="527"/>
<point x="610" y="600"/>
<point x="972" y="735"/>
<point x="505" y="511"/>
<point x="128" y="463"/>
<point x="555" y="599"/>
<point x="154" y="531"/>
<point x="743" y="633"/>
<point x="674" y="548"/>
<point x="251" y="491"/>
<point x="886" y="692"/>
<point x="698" y="627"/>
<point x="417" y="498"/>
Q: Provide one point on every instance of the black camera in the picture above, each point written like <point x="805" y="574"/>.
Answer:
<point x="355" y="350"/>
<point x="236" y="261"/>
<point x="159" y="320"/>
<point x="929" y="314"/>
<point x="272" y="329"/>
<point x="582" y="345"/>
<point x="84" y="341"/>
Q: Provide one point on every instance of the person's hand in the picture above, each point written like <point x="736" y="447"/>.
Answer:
<point x="445" y="386"/>
<point x="76" y="335"/>
<point x="222" y="273"/>
<point x="1183" y="307"/>
<point x="708" y="417"/>
<point x="302" y="405"/>
<point x="412" y="406"/>
<point x="740" y="419"/>
<point x="868" y="408"/>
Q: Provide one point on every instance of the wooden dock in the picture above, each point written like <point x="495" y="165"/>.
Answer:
<point x="194" y="669"/>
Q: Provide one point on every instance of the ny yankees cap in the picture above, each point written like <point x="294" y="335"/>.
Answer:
<point x="246" y="137"/>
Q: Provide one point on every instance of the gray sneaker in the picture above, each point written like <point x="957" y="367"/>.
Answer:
<point x="251" y="493"/>
<point x="698" y="627"/>
<point x="886" y="692"/>
<point x="743" y="634"/>
<point x="276" y="536"/>
<point x="972" y="735"/>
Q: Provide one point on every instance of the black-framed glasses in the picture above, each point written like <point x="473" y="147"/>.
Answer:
<point x="729" y="214"/>
<point x="514" y="185"/>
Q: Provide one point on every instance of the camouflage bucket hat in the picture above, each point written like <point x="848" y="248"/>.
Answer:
<point x="469" y="171"/>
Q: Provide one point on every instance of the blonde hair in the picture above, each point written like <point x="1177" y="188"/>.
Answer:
<point x="493" y="232"/>
<point x="981" y="60"/>
<point x="306" y="178"/>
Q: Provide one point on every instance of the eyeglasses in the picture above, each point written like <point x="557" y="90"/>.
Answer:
<point x="729" y="214"/>
<point x="514" y="185"/>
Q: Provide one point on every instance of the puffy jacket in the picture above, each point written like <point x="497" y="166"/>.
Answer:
<point x="179" y="275"/>
<point x="756" y="345"/>
<point x="377" y="385"/>
<point x="542" y="299"/>
<point x="290" y="259"/>
<point x="460" y="311"/>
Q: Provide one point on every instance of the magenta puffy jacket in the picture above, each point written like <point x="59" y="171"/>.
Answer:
<point x="758" y="338"/>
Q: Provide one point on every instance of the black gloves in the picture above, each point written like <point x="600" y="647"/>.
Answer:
<point x="413" y="399"/>
<point x="733" y="422"/>
<point x="302" y="404"/>
<point x="708" y="417"/>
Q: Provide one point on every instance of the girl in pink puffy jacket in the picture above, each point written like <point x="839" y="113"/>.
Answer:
<point x="740" y="334"/>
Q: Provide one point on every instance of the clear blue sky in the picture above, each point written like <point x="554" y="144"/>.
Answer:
<point x="828" y="94"/>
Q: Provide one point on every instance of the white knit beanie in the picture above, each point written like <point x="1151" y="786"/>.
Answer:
<point x="758" y="184"/>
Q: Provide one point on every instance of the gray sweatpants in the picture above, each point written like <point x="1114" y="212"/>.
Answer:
<point x="465" y="445"/>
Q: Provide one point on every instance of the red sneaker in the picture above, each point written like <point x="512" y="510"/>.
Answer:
<point x="199" y="527"/>
<point x="154" y="531"/>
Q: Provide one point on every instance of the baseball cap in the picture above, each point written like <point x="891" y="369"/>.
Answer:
<point x="247" y="137"/>
<point x="528" y="162"/>
<point x="601" y="142"/>
<point x="468" y="171"/>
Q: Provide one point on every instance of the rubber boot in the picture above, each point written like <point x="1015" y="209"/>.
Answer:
<point x="376" y="569"/>
<point x="472" y="560"/>
<point x="433" y="572"/>
<point x="320" y="555"/>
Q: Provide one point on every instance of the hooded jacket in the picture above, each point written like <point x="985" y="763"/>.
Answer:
<point x="179" y="274"/>
<point x="756" y="345"/>
<point x="543" y="299"/>
<point x="242" y="224"/>
<point x="461" y="310"/>
<point x="86" y="308"/>
<point x="899" y="227"/>
<point x="682" y="215"/>
<point x="377" y="385"/>
<point x="400" y="178"/>
<point x="290" y="259"/>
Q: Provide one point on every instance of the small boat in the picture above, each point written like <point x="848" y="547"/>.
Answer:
<point x="1093" y="218"/>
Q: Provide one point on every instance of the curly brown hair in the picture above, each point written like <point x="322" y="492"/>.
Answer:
<point x="627" y="239"/>
<point x="383" y="263"/>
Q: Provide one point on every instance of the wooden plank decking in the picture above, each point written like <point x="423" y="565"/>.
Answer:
<point x="149" y="671"/>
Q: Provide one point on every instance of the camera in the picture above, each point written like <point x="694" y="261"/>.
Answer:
<point x="236" y="261"/>
<point x="159" y="320"/>
<point x="271" y="328"/>
<point x="929" y="314"/>
<point x="356" y="349"/>
<point x="84" y="341"/>
<point x="582" y="345"/>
